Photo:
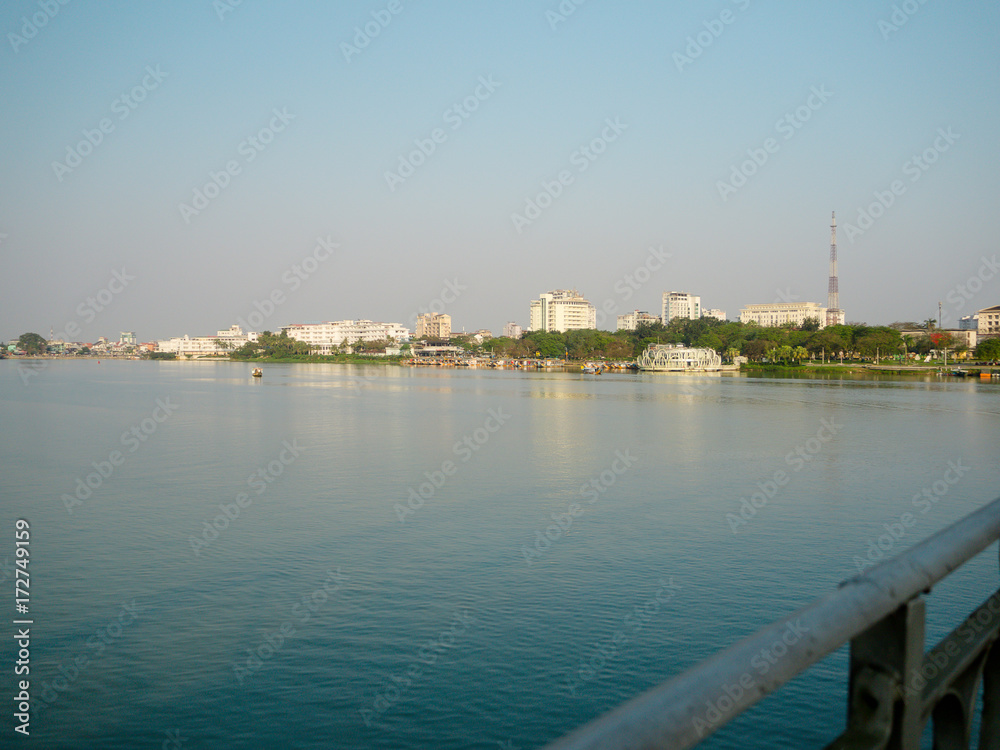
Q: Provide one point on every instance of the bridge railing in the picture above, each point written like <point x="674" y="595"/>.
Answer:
<point x="895" y="688"/>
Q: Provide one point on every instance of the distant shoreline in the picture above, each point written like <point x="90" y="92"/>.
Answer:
<point x="804" y="370"/>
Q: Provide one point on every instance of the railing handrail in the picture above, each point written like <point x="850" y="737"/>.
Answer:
<point x="678" y="713"/>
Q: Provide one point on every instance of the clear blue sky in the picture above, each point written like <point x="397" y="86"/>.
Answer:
<point x="554" y="84"/>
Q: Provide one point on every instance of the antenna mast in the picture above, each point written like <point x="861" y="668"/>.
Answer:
<point x="834" y="315"/>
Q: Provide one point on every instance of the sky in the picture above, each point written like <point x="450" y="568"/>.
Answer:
<point x="171" y="168"/>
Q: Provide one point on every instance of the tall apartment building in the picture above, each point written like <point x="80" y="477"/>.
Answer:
<point x="562" y="310"/>
<point x="782" y="313"/>
<point x="512" y="330"/>
<point x="680" y="305"/>
<point x="630" y="321"/>
<point x="434" y="325"/>
<point x="324" y="337"/>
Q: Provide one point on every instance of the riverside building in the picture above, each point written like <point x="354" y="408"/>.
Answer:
<point x="434" y="326"/>
<point x="562" y="310"/>
<point x="324" y="337"/>
<point x="631" y="321"/>
<point x="222" y="342"/>
<point x="783" y="313"/>
<point x="680" y="305"/>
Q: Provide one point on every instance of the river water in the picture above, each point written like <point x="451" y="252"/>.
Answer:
<point x="386" y="557"/>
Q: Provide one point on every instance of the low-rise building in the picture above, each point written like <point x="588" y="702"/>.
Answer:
<point x="222" y="342"/>
<point x="716" y="313"/>
<point x="512" y="330"/>
<point x="783" y="313"/>
<point x="988" y="325"/>
<point x="323" y="338"/>
<point x="631" y="321"/>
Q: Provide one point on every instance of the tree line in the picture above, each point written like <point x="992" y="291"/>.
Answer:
<point x="733" y="338"/>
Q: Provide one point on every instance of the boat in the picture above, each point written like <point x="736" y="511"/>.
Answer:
<point x="677" y="358"/>
<point x="257" y="372"/>
<point x="592" y="369"/>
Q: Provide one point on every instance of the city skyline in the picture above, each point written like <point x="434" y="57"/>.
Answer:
<point x="379" y="162"/>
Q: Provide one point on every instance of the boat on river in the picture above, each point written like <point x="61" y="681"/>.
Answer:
<point x="677" y="358"/>
<point x="257" y="373"/>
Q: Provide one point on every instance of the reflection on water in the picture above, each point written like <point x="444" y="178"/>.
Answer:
<point x="371" y="434"/>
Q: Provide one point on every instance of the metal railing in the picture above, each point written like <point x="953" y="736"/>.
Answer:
<point x="894" y="687"/>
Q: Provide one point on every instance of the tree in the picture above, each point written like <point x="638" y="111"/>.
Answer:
<point x="269" y="345"/>
<point x="878" y="341"/>
<point x="755" y="350"/>
<point x="810" y="324"/>
<point x="988" y="350"/>
<point x="31" y="343"/>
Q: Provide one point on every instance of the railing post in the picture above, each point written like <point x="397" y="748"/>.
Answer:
<point x="989" y="729"/>
<point x="881" y="705"/>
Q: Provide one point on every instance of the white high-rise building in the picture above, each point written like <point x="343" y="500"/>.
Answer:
<point x="324" y="337"/>
<point x="782" y="313"/>
<point x="680" y="305"/>
<point x="562" y="310"/>
<point x="631" y="321"/>
<point x="512" y="330"/>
